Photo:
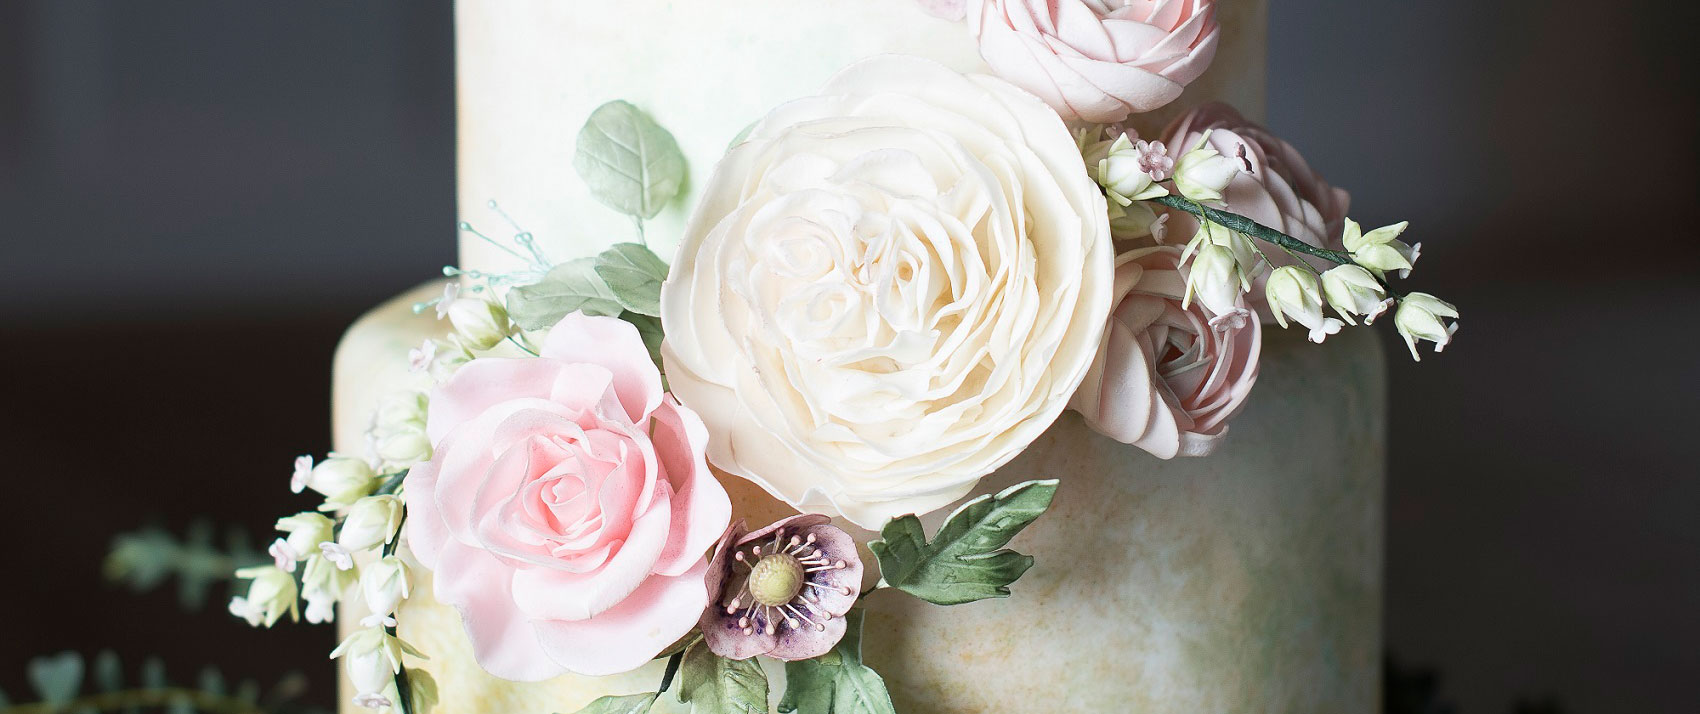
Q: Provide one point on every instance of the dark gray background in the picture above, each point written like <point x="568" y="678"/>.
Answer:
<point x="196" y="197"/>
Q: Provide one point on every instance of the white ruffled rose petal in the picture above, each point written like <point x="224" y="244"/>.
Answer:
<point x="889" y="290"/>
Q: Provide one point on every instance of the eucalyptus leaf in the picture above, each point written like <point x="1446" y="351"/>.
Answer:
<point x="715" y="685"/>
<point x="963" y="563"/>
<point x="634" y="273"/>
<point x="838" y="682"/>
<point x="108" y="671"/>
<point x="567" y="288"/>
<point x="631" y="163"/>
<point x="57" y="678"/>
<point x="629" y="704"/>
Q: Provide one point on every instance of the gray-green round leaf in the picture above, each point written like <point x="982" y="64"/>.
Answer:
<point x="57" y="678"/>
<point x="567" y="288"/>
<point x="631" y="163"/>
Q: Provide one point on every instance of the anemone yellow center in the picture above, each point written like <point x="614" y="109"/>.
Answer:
<point x="776" y="579"/>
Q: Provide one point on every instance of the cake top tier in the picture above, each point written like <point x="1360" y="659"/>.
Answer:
<point x="532" y="71"/>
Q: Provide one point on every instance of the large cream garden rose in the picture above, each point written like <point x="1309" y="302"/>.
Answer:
<point x="888" y="290"/>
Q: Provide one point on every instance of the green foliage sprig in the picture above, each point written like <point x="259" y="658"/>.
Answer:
<point x="63" y="683"/>
<point x="143" y="559"/>
<point x="965" y="562"/>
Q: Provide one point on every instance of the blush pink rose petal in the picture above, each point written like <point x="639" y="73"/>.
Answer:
<point x="568" y="509"/>
<point x="1164" y="379"/>
<point x="1097" y="60"/>
<point x="1276" y="188"/>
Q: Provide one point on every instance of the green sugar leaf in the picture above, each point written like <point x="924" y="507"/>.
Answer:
<point x="964" y="562"/>
<point x="837" y="682"/>
<point x="715" y="685"/>
<point x="634" y="273"/>
<point x="649" y="328"/>
<point x="631" y="163"/>
<point x="567" y="288"/>
<point x="57" y="678"/>
<point x="629" y="704"/>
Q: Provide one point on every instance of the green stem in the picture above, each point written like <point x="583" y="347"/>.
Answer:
<point x="522" y="346"/>
<point x="1241" y="224"/>
<point x="109" y="701"/>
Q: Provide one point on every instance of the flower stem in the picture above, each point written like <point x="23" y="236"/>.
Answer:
<point x="522" y="346"/>
<point x="1241" y="224"/>
<point x="150" y="698"/>
<point x="391" y="484"/>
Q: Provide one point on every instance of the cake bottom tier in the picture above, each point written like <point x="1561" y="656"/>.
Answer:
<point x="1248" y="581"/>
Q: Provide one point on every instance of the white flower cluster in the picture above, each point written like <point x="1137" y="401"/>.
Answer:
<point x="1223" y="263"/>
<point x="347" y="549"/>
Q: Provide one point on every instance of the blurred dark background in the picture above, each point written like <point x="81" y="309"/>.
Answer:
<point x="197" y="197"/>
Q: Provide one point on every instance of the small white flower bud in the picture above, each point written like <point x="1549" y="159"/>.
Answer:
<point x="1381" y="250"/>
<point x="404" y="447"/>
<point x="480" y="323"/>
<point x="384" y="585"/>
<point x="270" y="595"/>
<point x="402" y="410"/>
<point x="1353" y="291"/>
<point x="1214" y="278"/>
<point x="1129" y="171"/>
<point x="1292" y="292"/>
<point x="372" y="658"/>
<point x="322" y="585"/>
<point x="341" y="480"/>
<point x="304" y="532"/>
<point x="1422" y="316"/>
<point x="372" y="521"/>
<point x="1203" y="173"/>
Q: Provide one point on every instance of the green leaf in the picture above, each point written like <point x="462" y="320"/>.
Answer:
<point x="715" y="685"/>
<point x="153" y="673"/>
<point x="108" y="671"/>
<point x="629" y="704"/>
<point x="57" y="678"/>
<point x="838" y="682"/>
<point x="567" y="288"/>
<point x="180" y="704"/>
<point x="649" y="328"/>
<point x="631" y="164"/>
<point x="635" y="275"/>
<point x="212" y="681"/>
<point x="963" y="563"/>
<point x="4" y="701"/>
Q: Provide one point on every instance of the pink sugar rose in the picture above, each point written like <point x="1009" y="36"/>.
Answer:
<point x="1097" y="60"/>
<point x="1164" y="379"/>
<point x="568" y="509"/>
<point x="1276" y="188"/>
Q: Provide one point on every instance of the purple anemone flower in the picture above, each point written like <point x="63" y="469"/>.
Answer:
<point x="781" y="591"/>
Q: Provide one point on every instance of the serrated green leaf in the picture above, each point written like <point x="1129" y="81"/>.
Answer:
<point x="634" y="273"/>
<point x="631" y="163"/>
<point x="837" y="683"/>
<point x="629" y="704"/>
<point x="153" y="673"/>
<point x="57" y="678"/>
<point x="108" y="671"/>
<point x="963" y="563"/>
<point x="715" y="685"/>
<point x="649" y="328"/>
<point x="567" y="288"/>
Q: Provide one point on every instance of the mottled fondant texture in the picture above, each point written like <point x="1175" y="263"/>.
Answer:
<point x="529" y="72"/>
<point x="1246" y="581"/>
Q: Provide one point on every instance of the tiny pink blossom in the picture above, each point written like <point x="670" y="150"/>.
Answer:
<point x="338" y="555"/>
<point x="303" y="473"/>
<point x="1154" y="159"/>
<point x="419" y="358"/>
<point x="283" y="556"/>
<point x="371" y="701"/>
<point x="451" y="292"/>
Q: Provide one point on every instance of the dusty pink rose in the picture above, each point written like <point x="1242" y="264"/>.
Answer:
<point x="1276" y="188"/>
<point x="947" y="9"/>
<point x="1097" y="60"/>
<point x="1164" y="379"/>
<point x="568" y="509"/>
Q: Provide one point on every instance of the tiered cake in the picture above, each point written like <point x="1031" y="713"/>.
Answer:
<point x="1247" y="581"/>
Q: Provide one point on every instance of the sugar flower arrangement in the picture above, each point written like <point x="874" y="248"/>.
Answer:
<point x="887" y="292"/>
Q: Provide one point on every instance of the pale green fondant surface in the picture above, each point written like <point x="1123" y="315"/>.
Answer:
<point x="1248" y="581"/>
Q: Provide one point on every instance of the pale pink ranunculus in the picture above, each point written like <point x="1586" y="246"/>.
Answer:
<point x="1164" y="379"/>
<point x="1097" y="60"/>
<point x="568" y="509"/>
<point x="1275" y="187"/>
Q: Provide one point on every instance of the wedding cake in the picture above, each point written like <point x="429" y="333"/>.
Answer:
<point x="874" y="234"/>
